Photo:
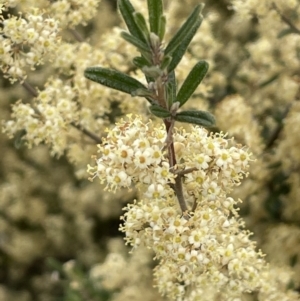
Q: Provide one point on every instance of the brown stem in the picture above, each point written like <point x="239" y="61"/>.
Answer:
<point x="160" y="93"/>
<point x="286" y="20"/>
<point x="172" y="160"/>
<point x="194" y="205"/>
<point x="179" y="194"/>
<point x="169" y="123"/>
<point x="274" y="136"/>
<point x="29" y="89"/>
<point x="169" y="138"/>
<point x="185" y="171"/>
<point x="170" y="145"/>
<point x="88" y="133"/>
<point x="76" y="35"/>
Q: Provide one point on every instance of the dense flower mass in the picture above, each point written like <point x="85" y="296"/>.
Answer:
<point x="26" y="42"/>
<point x="134" y="152"/>
<point x="207" y="248"/>
<point x="74" y="12"/>
<point x="203" y="246"/>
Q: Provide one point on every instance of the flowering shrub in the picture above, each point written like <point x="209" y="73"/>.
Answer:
<point x="132" y="101"/>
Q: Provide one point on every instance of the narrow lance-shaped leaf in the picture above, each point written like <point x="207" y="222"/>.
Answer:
<point x="140" y="62"/>
<point x="54" y="264"/>
<point x="159" y="111"/>
<point x="19" y="141"/>
<point x="165" y="62"/>
<point x="113" y="79"/>
<point x="135" y="42"/>
<point x="184" y="30"/>
<point x="181" y="49"/>
<point x="269" y="80"/>
<point x="171" y="88"/>
<point x="162" y="27"/>
<point x="285" y="32"/>
<point x="152" y="72"/>
<point x="201" y="118"/>
<point x="155" y="10"/>
<point x="141" y="23"/>
<point x="127" y="10"/>
<point x="142" y="92"/>
<point x="192" y="81"/>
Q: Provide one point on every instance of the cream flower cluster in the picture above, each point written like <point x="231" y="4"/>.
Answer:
<point x="25" y="41"/>
<point x="261" y="8"/>
<point x="127" y="278"/>
<point x="48" y="119"/>
<point x="203" y="247"/>
<point x="74" y="12"/>
<point x="61" y="103"/>
<point x="133" y="152"/>
<point x="219" y="165"/>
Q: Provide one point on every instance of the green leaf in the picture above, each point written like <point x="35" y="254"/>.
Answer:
<point x="285" y="32"/>
<point x="165" y="62"/>
<point x="184" y="30"/>
<point x="142" y="92"/>
<point x="54" y="264"/>
<point x="181" y="49"/>
<point x="140" y="62"/>
<point x="159" y="111"/>
<point x="113" y="79"/>
<point x="135" y="42"/>
<point x="155" y="10"/>
<point x="293" y="260"/>
<point x="19" y="141"/>
<point x="127" y="10"/>
<point x="269" y="80"/>
<point x="152" y="72"/>
<point x="192" y="81"/>
<point x="171" y="88"/>
<point x="202" y="118"/>
<point x="162" y="27"/>
<point x="141" y="23"/>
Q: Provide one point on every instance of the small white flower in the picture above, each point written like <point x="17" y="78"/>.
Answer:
<point x="201" y="161"/>
<point x="195" y="238"/>
<point x="125" y="154"/>
<point x="142" y="159"/>
<point x="223" y="158"/>
<point x="155" y="191"/>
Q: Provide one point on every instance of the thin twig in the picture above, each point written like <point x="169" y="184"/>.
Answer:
<point x="179" y="194"/>
<point x="160" y="87"/>
<point x="87" y="132"/>
<point x="286" y="20"/>
<point x="169" y="138"/>
<point x="185" y="171"/>
<point x="32" y="91"/>
<point x="172" y="159"/>
<point x="77" y="35"/>
<point x="274" y="136"/>
<point x="194" y="205"/>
